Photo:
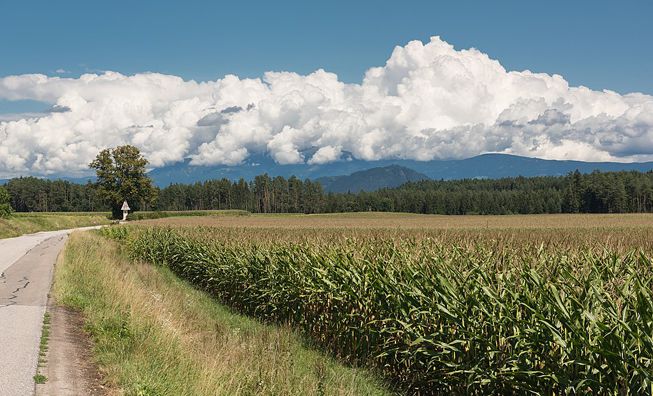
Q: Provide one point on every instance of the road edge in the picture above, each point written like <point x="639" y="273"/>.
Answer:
<point x="68" y="362"/>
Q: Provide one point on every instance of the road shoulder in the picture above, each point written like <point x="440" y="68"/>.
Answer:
<point x="69" y="366"/>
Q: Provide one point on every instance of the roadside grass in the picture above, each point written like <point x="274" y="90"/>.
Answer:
<point x="156" y="335"/>
<point x="26" y="223"/>
<point x="40" y="379"/>
<point x="43" y="349"/>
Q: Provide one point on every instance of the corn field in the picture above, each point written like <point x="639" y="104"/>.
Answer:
<point x="433" y="314"/>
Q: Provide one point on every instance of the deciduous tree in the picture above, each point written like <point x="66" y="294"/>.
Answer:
<point x="121" y="175"/>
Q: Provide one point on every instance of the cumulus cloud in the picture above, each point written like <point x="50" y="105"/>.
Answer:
<point x="429" y="101"/>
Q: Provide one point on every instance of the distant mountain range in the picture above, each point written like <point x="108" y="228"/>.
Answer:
<point x="488" y="166"/>
<point x="371" y="179"/>
<point x="354" y="175"/>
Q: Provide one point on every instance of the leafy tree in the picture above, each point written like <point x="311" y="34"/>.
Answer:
<point x="121" y="176"/>
<point x="5" y="208"/>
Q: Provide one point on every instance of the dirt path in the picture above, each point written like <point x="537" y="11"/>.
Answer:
<point x="69" y="365"/>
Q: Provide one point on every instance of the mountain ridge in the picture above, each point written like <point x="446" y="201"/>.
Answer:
<point x="488" y="166"/>
<point x="371" y="179"/>
<point x="485" y="166"/>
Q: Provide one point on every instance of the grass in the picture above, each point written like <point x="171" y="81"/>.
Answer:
<point x="43" y="349"/>
<point x="156" y="335"/>
<point x="40" y="379"/>
<point x="539" y="304"/>
<point x="26" y="223"/>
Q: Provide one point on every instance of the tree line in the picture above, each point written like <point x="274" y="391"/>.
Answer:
<point x="31" y="194"/>
<point x="598" y="192"/>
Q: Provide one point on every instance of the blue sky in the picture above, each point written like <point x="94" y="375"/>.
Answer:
<point x="600" y="44"/>
<point x="429" y="102"/>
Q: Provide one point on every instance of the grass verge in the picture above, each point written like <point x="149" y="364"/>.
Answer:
<point x="156" y="335"/>
<point x="26" y="223"/>
<point x="43" y="349"/>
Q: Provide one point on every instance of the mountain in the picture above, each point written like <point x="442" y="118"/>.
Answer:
<point x="371" y="179"/>
<point x="488" y="166"/>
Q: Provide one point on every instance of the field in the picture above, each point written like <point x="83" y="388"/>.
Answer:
<point x="419" y="222"/>
<point x="27" y="223"/>
<point x="436" y="304"/>
<point x="147" y="215"/>
<point x="619" y="232"/>
<point x="154" y="334"/>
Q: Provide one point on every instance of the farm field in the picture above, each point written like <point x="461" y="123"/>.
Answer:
<point x="435" y="304"/>
<point x="618" y="231"/>
<point x="416" y="221"/>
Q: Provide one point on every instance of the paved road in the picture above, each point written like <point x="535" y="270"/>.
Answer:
<point x="26" y="266"/>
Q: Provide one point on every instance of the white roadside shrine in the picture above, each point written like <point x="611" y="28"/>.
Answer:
<point x="125" y="210"/>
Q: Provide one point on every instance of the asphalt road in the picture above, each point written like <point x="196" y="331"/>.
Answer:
<point x="26" y="267"/>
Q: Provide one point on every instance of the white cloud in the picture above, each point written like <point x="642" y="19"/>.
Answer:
<point x="428" y="101"/>
<point x="325" y="154"/>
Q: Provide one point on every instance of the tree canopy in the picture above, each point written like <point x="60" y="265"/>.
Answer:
<point x="121" y="175"/>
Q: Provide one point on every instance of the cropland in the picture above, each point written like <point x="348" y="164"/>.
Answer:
<point x="373" y="220"/>
<point x="416" y="304"/>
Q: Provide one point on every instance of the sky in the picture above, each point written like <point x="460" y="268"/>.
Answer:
<point x="601" y="45"/>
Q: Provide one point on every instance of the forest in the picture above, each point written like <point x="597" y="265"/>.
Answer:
<point x="598" y="192"/>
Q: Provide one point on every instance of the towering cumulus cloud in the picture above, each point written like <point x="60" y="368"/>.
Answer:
<point x="429" y="101"/>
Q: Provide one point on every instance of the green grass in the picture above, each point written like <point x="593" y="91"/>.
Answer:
<point x="43" y="349"/>
<point x="26" y="223"/>
<point x="40" y="379"/>
<point x="154" y="334"/>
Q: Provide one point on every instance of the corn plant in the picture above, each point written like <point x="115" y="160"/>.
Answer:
<point x="434" y="316"/>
